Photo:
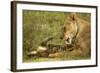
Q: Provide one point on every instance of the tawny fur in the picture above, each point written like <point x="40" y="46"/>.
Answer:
<point x="84" y="33"/>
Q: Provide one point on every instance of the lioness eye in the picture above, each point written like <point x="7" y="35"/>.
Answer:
<point x="64" y="29"/>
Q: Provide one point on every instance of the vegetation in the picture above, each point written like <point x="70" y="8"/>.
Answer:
<point x="38" y="25"/>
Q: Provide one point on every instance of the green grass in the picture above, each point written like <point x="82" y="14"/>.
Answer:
<point x="38" y="25"/>
<point x="64" y="58"/>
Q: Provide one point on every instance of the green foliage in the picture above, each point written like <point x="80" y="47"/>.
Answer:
<point x="38" y="25"/>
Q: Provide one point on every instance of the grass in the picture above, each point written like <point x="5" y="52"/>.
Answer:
<point x="65" y="57"/>
<point x="38" y="25"/>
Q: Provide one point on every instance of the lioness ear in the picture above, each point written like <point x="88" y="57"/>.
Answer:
<point x="73" y="16"/>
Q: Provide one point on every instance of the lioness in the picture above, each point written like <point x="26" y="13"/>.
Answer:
<point x="77" y="31"/>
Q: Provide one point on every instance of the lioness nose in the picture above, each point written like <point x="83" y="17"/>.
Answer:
<point x="68" y="40"/>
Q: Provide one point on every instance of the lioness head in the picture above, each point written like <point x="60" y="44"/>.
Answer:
<point x="70" y="29"/>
